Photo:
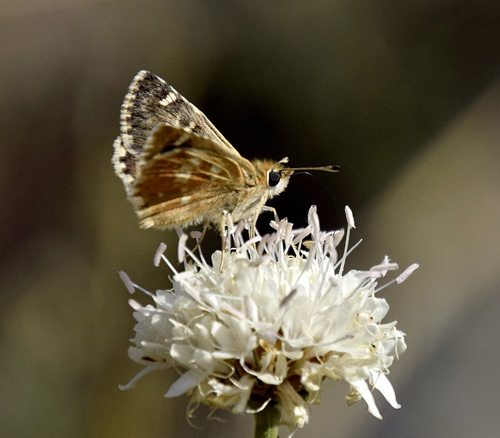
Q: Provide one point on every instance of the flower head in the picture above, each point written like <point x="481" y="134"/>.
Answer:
<point x="279" y="318"/>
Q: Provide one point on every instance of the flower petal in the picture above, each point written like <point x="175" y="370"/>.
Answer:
<point x="184" y="383"/>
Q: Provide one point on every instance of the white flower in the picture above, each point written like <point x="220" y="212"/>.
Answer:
<point x="279" y="318"/>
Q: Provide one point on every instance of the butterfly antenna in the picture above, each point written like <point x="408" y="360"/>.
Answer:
<point x="332" y="168"/>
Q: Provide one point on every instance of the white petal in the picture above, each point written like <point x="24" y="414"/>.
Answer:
<point x="184" y="383"/>
<point x="363" y="389"/>
<point x="381" y="382"/>
<point x="384" y="267"/>
<point x="142" y="373"/>
<point x="313" y="220"/>
<point x="408" y="271"/>
<point x="159" y="252"/>
<point x="294" y="410"/>
<point x="181" y="353"/>
<point x="195" y="234"/>
<point x="349" y="216"/>
<point x="126" y="281"/>
<point x="181" y="248"/>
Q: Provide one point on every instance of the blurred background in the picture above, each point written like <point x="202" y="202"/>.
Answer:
<point x="404" y="95"/>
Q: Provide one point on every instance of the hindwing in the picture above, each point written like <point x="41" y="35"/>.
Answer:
<point x="183" y="178"/>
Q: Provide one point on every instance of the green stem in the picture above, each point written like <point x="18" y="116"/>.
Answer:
<point x="267" y="422"/>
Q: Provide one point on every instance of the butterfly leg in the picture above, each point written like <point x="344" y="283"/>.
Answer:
<point x="258" y="210"/>
<point x="224" y="238"/>
<point x="253" y="226"/>
<point x="206" y="226"/>
<point x="267" y="208"/>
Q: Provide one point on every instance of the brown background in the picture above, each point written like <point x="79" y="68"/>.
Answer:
<point x="405" y="95"/>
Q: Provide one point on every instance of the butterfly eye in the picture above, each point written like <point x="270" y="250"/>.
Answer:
<point x="273" y="178"/>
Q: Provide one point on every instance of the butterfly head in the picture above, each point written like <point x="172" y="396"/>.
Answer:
<point x="273" y="176"/>
<point x="277" y="179"/>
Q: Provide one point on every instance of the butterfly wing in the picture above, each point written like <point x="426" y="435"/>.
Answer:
<point x="150" y="101"/>
<point x="183" y="178"/>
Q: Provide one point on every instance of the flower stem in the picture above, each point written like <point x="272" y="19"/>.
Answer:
<point x="267" y="422"/>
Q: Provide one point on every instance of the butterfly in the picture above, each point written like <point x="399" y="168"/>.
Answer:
<point x="179" y="170"/>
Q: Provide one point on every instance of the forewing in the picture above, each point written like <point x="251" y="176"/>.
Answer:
<point x="183" y="178"/>
<point x="150" y="101"/>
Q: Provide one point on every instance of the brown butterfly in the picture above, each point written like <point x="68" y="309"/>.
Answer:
<point x="179" y="170"/>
